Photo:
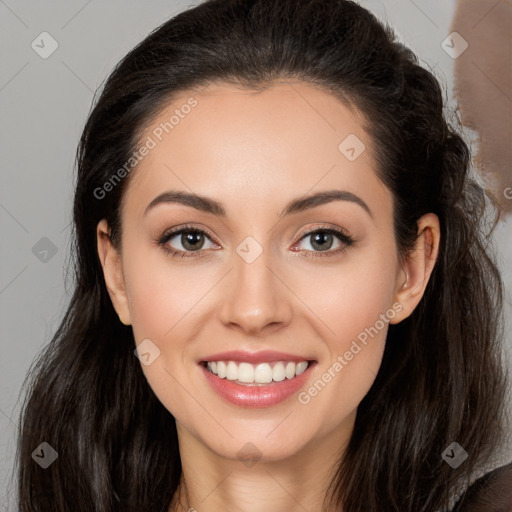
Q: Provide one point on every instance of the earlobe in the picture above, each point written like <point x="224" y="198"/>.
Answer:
<point x="418" y="266"/>
<point x="112" y="272"/>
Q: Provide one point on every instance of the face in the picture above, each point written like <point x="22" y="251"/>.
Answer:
<point x="262" y="269"/>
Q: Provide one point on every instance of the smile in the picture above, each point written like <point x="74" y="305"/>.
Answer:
<point x="256" y="385"/>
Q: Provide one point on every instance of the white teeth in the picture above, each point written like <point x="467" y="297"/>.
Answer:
<point x="245" y="372"/>
<point x="262" y="373"/>
<point x="290" y="370"/>
<point x="232" y="371"/>
<point x="221" y="369"/>
<point x="278" y="372"/>
<point x="301" y="367"/>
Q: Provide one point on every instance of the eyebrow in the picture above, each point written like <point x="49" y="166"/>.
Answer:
<point x="208" y="205"/>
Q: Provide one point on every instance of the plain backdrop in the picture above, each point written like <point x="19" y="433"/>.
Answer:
<point x="44" y="103"/>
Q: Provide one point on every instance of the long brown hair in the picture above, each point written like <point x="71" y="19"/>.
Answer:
<point x="442" y="378"/>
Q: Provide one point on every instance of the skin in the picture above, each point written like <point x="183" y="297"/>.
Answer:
<point x="284" y="300"/>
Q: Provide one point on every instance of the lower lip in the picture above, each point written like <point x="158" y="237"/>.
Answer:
<point x="256" y="396"/>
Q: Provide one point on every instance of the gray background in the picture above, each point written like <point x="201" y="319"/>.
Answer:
<point x="43" y="107"/>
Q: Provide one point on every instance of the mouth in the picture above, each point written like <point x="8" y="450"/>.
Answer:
<point x="261" y="384"/>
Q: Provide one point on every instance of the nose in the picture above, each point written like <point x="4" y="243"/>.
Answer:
<point x="257" y="300"/>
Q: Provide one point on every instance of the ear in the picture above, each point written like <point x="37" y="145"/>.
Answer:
<point x="415" y="273"/>
<point x="113" y="272"/>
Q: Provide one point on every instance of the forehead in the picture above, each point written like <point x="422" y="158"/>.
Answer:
<point x="260" y="145"/>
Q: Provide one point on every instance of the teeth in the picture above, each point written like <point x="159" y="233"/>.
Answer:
<point x="221" y="369"/>
<point x="262" y="373"/>
<point x="301" y="367"/>
<point x="289" y="371"/>
<point x="245" y="372"/>
<point x="278" y="372"/>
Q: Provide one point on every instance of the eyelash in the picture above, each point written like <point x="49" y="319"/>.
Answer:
<point x="344" y="238"/>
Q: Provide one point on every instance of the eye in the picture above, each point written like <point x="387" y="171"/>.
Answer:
<point x="322" y="240"/>
<point x="189" y="238"/>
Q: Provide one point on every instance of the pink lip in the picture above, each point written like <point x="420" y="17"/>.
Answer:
<point x="256" y="396"/>
<point x="264" y="356"/>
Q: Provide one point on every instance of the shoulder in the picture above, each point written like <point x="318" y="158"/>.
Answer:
<point x="490" y="493"/>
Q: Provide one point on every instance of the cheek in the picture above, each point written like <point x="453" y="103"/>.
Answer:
<point x="161" y="293"/>
<point x="350" y="298"/>
<point x="164" y="303"/>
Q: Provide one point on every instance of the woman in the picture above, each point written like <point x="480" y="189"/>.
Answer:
<point x="273" y="214"/>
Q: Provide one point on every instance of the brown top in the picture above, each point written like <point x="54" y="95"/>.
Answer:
<point x="490" y="493"/>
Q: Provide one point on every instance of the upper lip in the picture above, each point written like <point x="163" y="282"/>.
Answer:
<point x="264" y="356"/>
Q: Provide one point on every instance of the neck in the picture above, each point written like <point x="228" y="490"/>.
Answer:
<point x="211" y="482"/>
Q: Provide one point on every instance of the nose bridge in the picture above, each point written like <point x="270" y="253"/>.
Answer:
<point x="256" y="297"/>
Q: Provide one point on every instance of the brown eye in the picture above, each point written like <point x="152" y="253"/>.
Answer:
<point x="187" y="241"/>
<point x="192" y="240"/>
<point x="322" y="240"/>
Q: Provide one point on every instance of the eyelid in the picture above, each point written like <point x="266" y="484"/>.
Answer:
<point x="323" y="227"/>
<point x="171" y="232"/>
